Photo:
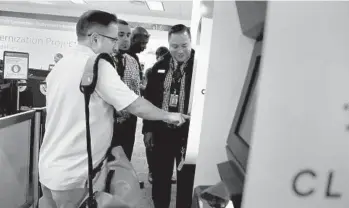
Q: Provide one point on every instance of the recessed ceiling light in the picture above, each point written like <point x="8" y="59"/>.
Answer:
<point x="137" y="2"/>
<point x="40" y="2"/>
<point x="78" y="1"/>
<point x="155" y="5"/>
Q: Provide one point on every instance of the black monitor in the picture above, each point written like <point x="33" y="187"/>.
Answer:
<point x="240" y="135"/>
<point x="239" y="140"/>
<point x="232" y="172"/>
<point x="252" y="18"/>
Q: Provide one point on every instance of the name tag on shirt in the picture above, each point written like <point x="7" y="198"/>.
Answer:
<point x="161" y="71"/>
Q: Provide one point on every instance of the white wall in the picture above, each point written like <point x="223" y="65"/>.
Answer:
<point x="195" y="18"/>
<point x="41" y="44"/>
<point x="300" y="123"/>
<point x="41" y="55"/>
<point x="75" y="12"/>
<point x="42" y="39"/>
<point x="228" y="63"/>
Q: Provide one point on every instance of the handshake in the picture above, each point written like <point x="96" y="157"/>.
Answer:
<point x="176" y="119"/>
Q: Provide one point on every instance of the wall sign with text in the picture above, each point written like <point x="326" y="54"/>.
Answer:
<point x="16" y="65"/>
<point x="42" y="39"/>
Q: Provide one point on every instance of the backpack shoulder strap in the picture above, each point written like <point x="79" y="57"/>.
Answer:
<point x="87" y="87"/>
<point x="89" y="78"/>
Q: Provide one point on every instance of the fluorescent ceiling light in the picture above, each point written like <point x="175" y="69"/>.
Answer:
<point x="78" y="1"/>
<point x="155" y="5"/>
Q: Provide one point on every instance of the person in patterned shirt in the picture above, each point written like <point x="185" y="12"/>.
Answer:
<point x="128" y="69"/>
<point x="139" y="40"/>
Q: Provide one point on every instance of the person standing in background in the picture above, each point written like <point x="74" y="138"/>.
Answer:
<point x="127" y="67"/>
<point x="57" y="57"/>
<point x="160" y="53"/>
<point x="168" y="87"/>
<point x="139" y="40"/>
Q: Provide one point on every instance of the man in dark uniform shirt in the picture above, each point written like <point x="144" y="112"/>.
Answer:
<point x="168" y="87"/>
<point x="160" y="54"/>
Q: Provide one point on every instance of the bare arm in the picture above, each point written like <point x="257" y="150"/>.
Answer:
<point x="144" y="109"/>
<point x="113" y="91"/>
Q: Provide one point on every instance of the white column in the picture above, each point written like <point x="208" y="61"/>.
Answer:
<point x="300" y="144"/>
<point x="195" y="19"/>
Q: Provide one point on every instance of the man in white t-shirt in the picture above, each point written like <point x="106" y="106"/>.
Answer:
<point x="63" y="157"/>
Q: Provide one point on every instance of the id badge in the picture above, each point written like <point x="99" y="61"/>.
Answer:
<point x="174" y="100"/>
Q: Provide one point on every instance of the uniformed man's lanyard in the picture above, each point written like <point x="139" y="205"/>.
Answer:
<point x="175" y="90"/>
<point x="173" y="105"/>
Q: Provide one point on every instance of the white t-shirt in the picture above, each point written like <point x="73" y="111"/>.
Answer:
<point x="63" y="154"/>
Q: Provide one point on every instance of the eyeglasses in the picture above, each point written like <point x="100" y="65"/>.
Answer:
<point x="111" y="38"/>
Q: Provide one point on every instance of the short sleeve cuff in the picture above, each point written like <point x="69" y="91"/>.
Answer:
<point x="126" y="101"/>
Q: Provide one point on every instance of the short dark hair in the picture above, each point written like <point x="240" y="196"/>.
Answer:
<point x="178" y="29"/>
<point x="91" y="19"/>
<point x="59" y="55"/>
<point x="139" y="32"/>
<point x="122" y="22"/>
<point x="161" y="51"/>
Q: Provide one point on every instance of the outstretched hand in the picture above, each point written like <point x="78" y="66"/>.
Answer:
<point x="187" y="117"/>
<point x="177" y="119"/>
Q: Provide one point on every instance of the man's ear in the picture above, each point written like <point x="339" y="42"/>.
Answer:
<point x="94" y="37"/>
